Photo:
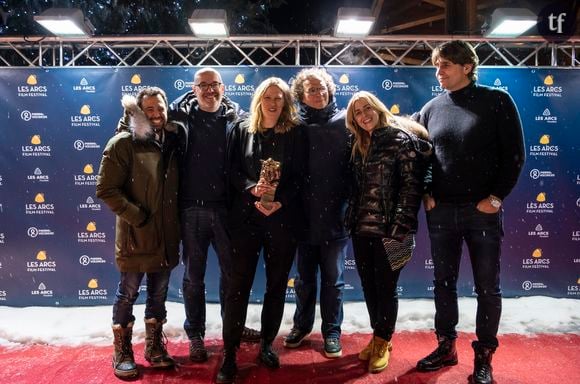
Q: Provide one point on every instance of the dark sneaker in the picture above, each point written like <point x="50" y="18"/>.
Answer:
<point x="228" y="370"/>
<point x="332" y="347"/>
<point x="295" y="338"/>
<point x="197" y="351"/>
<point x="268" y="356"/>
<point x="250" y="335"/>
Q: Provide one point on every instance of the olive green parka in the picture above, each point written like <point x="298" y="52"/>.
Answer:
<point x="138" y="180"/>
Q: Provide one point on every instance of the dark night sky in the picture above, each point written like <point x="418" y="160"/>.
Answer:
<point x="311" y="16"/>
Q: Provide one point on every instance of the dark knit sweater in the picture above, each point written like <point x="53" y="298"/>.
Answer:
<point x="477" y="143"/>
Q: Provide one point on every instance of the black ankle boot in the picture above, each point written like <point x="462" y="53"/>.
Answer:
<point x="268" y="356"/>
<point x="228" y="370"/>
<point x="444" y="355"/>
<point x="482" y="370"/>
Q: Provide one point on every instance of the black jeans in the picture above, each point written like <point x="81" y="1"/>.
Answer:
<point x="279" y="246"/>
<point x="200" y="227"/>
<point x="450" y="225"/>
<point x="379" y="283"/>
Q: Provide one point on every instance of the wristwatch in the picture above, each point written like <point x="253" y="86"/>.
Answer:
<point x="494" y="201"/>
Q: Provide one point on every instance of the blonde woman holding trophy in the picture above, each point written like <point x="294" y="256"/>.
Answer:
<point x="266" y="168"/>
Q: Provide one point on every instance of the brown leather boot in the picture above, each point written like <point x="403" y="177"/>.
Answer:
<point x="155" y="341"/>
<point x="123" y="362"/>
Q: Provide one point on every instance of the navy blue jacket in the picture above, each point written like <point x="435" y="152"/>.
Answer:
<point x="328" y="179"/>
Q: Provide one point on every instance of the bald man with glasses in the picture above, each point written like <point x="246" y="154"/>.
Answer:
<point x="209" y="117"/>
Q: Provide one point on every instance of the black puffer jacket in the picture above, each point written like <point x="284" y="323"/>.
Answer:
<point x="389" y="183"/>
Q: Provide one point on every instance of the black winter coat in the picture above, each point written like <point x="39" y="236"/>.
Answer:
<point x="389" y="184"/>
<point x="245" y="166"/>
<point x="325" y="193"/>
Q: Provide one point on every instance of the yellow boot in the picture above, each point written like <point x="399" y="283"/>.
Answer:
<point x="381" y="351"/>
<point x="365" y="354"/>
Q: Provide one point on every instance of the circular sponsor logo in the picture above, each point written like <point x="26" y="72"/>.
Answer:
<point x="534" y="174"/>
<point x="387" y="84"/>
<point x="32" y="232"/>
<point x="578" y="202"/>
<point x="26" y="115"/>
<point x="79" y="145"/>
<point x="84" y="260"/>
<point x="179" y="84"/>
<point x="527" y="285"/>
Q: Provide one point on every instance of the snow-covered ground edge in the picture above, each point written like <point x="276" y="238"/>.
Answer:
<point x="91" y="325"/>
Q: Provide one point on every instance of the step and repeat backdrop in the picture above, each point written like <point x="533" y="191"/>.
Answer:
<point x="57" y="238"/>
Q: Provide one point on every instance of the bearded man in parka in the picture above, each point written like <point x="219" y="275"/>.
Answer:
<point x="138" y="180"/>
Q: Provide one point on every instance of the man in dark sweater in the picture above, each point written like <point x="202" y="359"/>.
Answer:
<point x="209" y="118"/>
<point x="478" y="156"/>
<point x="324" y="241"/>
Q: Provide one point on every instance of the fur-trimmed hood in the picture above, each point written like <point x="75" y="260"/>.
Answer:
<point x="135" y="120"/>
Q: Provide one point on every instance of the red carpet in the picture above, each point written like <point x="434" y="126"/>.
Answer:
<point x="542" y="359"/>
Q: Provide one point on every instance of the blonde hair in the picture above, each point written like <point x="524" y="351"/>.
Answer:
<point x="362" y="138"/>
<point x="289" y="116"/>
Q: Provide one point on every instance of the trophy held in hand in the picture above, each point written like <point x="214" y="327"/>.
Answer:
<point x="270" y="175"/>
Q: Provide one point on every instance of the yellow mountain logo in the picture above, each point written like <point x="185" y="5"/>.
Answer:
<point x="41" y="255"/>
<point x="291" y="283"/>
<point x="239" y="79"/>
<point x="92" y="226"/>
<point x="545" y="139"/>
<point x="343" y="79"/>
<point x="537" y="253"/>
<point x="93" y="283"/>
<point x="39" y="198"/>
<point x="578" y="281"/>
<point x="541" y="197"/>
<point x="136" y="79"/>
<point x="85" y="110"/>
<point x="88" y="169"/>
<point x="395" y="109"/>
<point x="549" y="80"/>
<point x="35" y="140"/>
<point x="31" y="80"/>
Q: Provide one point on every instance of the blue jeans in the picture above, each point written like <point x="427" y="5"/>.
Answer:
<point x="329" y="257"/>
<point x="379" y="283"/>
<point x="200" y="227"/>
<point x="450" y="225"/>
<point x="128" y="291"/>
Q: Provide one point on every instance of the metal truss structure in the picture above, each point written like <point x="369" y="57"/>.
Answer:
<point x="281" y="50"/>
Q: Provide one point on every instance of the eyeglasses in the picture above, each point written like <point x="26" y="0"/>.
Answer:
<point x="205" y="86"/>
<point x="316" y="90"/>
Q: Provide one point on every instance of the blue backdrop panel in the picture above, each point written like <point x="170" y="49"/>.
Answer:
<point x="57" y="239"/>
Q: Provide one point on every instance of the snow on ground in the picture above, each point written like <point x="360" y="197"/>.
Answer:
<point x="91" y="325"/>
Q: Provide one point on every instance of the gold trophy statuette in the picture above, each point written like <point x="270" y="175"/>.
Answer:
<point x="269" y="174"/>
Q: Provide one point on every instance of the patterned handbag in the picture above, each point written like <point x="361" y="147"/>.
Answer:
<point x="399" y="253"/>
